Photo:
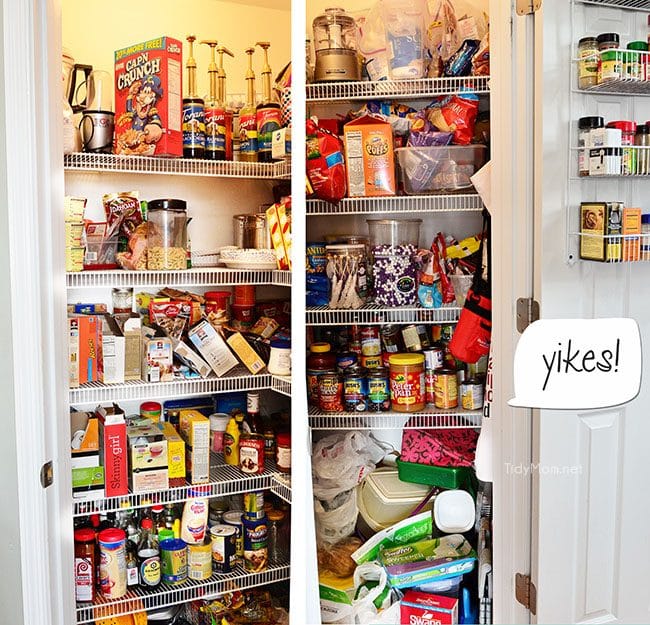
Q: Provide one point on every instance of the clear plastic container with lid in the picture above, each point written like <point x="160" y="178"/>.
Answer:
<point x="347" y="271"/>
<point x="167" y="234"/>
<point x="394" y="232"/>
<point x="407" y="389"/>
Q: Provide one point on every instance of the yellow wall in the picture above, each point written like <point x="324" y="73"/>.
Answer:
<point x="93" y="30"/>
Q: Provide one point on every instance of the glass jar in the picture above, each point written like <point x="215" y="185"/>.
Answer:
<point x="628" y="129"/>
<point x="642" y="138"/>
<point x="608" y="41"/>
<point x="347" y="272"/>
<point x="122" y="300"/>
<point x="167" y="235"/>
<point x="407" y="382"/>
<point x="320" y="359"/>
<point x="84" y="564"/>
<point x="610" y="66"/>
<point x="585" y="126"/>
<point x="275" y="536"/>
<point x="588" y="62"/>
<point x="283" y="452"/>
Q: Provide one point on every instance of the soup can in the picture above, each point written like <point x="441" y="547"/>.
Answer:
<point x="355" y="389"/>
<point x="255" y="544"/>
<point x="112" y="562"/>
<point x="199" y="561"/>
<point x="445" y="388"/>
<point x="371" y="362"/>
<point x="254" y="504"/>
<point x="173" y="558"/>
<point x="434" y="358"/>
<point x="224" y="547"/>
<point x="234" y="518"/>
<point x="370" y="343"/>
<point x="471" y="393"/>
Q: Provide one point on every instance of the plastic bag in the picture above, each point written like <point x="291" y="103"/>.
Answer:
<point x="336" y="518"/>
<point x="371" y="43"/>
<point x="325" y="164"/>
<point x="404" y="22"/>
<point x="372" y="593"/>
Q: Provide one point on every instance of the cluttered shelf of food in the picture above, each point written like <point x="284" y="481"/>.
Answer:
<point x="635" y="5"/>
<point x="183" y="593"/>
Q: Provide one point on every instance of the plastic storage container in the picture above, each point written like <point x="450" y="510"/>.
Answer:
<point x="444" y="477"/>
<point x="167" y="234"/>
<point x="394" y="232"/>
<point x="347" y="272"/>
<point x="426" y="170"/>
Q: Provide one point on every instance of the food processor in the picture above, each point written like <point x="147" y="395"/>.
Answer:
<point x="335" y="46"/>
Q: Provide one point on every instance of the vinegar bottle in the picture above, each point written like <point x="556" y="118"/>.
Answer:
<point x="193" y="111"/>
<point x="269" y="113"/>
<point x="248" y="117"/>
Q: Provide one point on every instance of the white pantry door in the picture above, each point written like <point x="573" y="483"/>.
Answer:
<point x="593" y="482"/>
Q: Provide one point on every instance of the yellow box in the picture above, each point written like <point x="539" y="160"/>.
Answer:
<point x="73" y="232"/>
<point x="73" y="209"/>
<point x="631" y="225"/>
<point x="195" y="430"/>
<point x="175" y="455"/>
<point x="246" y="353"/>
<point x="74" y="258"/>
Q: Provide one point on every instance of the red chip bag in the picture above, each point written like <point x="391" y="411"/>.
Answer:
<point x="457" y="114"/>
<point x="325" y="164"/>
<point x="439" y="249"/>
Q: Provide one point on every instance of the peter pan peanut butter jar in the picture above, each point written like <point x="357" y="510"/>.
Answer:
<point x="407" y="382"/>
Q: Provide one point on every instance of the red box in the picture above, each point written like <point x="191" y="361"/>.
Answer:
<point x="148" y="98"/>
<point x="421" y="608"/>
<point x="85" y="347"/>
<point x="113" y="446"/>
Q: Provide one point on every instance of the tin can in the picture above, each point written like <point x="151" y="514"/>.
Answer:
<point x="446" y="389"/>
<point x="471" y="393"/>
<point x="355" y="389"/>
<point x="199" y="561"/>
<point x="251" y="453"/>
<point x="411" y="338"/>
<point x="424" y="336"/>
<point x="345" y="360"/>
<point x="173" y="558"/>
<point x="371" y="362"/>
<point x="391" y="339"/>
<point x="430" y="386"/>
<point x="255" y="544"/>
<point x="370" y="343"/>
<point x="434" y="358"/>
<point x="254" y="505"/>
<point x="330" y="392"/>
<point x="223" y="547"/>
<point x="112" y="562"/>
<point x="234" y="519"/>
<point x="378" y="390"/>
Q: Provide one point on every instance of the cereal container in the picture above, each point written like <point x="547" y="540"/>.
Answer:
<point x="167" y="235"/>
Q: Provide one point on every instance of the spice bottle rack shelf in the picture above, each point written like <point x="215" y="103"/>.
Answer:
<point x="205" y="276"/>
<point x="433" y="418"/>
<point x="634" y="5"/>
<point x="82" y="161"/>
<point x="190" y="590"/>
<point x="623" y="249"/>
<point x="225" y="480"/>
<point x="371" y="314"/>
<point x="398" y="204"/>
<point x="420" y="88"/>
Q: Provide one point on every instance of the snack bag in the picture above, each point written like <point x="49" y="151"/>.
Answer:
<point x="325" y="164"/>
<point x="457" y="114"/>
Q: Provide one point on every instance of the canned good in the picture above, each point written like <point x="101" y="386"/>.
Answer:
<point x="112" y="562"/>
<point x="255" y="544"/>
<point x="251" y="453"/>
<point x="234" y="519"/>
<point x="424" y="336"/>
<point x="199" y="561"/>
<point x="173" y="558"/>
<point x="370" y="343"/>
<point x="434" y="358"/>
<point x="471" y="393"/>
<point x="371" y="362"/>
<point x="411" y="339"/>
<point x="446" y="389"/>
<point x="430" y="386"/>
<point x="355" y="389"/>
<point x="330" y="392"/>
<point x="378" y="390"/>
<point x="345" y="360"/>
<point x="391" y="339"/>
<point x="223" y="547"/>
<point x="254" y="505"/>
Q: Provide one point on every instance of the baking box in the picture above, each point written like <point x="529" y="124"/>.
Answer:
<point x="369" y="157"/>
<point x="147" y="458"/>
<point x="246" y="353"/>
<point x="195" y="430"/>
<point x="175" y="455"/>
<point x="421" y="608"/>
<point x="112" y="442"/>
<point x="631" y="226"/>
<point x="212" y="347"/>
<point x="597" y="221"/>
<point x="157" y="359"/>
<point x="84" y="348"/>
<point x="87" y="470"/>
<point x="132" y="328"/>
<point x="148" y="98"/>
<point x="113" y="352"/>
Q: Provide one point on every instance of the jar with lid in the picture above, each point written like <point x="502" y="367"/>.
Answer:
<point x="167" y="234"/>
<point x="642" y="138"/>
<point x="85" y="564"/>
<point x="608" y="41"/>
<point x="122" y="300"/>
<point x="280" y="358"/>
<point x="275" y="536"/>
<point x="283" y="452"/>
<point x="347" y="271"/>
<point x="320" y="359"/>
<point x="635" y="65"/>
<point x="588" y="62"/>
<point x="585" y="126"/>
<point x="628" y="128"/>
<point x="407" y="382"/>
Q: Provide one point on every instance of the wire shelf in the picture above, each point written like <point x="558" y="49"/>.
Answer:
<point x="281" y="384"/>
<point x="82" y="161"/>
<point x="433" y="418"/>
<point x="239" y="379"/>
<point x="616" y="248"/>
<point x="190" y="590"/>
<point x="635" y="5"/>
<point x="282" y="486"/>
<point x="281" y="278"/>
<point x="225" y="480"/>
<point x="421" y="88"/>
<point x="398" y="204"/>
<point x="371" y="314"/>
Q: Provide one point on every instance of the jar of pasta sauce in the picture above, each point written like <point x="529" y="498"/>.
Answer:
<point x="407" y="382"/>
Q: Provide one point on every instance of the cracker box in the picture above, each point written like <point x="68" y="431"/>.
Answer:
<point x="148" y="98"/>
<point x="84" y="349"/>
<point x="113" y="352"/>
<point x="369" y="157"/>
<point x="195" y="430"/>
<point x="421" y="608"/>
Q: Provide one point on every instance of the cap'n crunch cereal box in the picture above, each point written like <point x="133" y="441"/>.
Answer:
<point x="148" y="98"/>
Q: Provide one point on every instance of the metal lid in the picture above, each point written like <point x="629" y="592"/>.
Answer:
<point x="344" y="247"/>
<point x="167" y="204"/>
<point x="222" y="530"/>
<point x="608" y="38"/>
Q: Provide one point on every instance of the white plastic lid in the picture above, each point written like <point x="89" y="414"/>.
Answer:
<point x="219" y="421"/>
<point x="386" y="483"/>
<point x="454" y="511"/>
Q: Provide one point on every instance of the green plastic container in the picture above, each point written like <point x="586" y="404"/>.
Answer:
<point x="443" y="477"/>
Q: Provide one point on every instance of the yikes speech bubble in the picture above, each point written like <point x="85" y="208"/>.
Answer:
<point x="577" y="364"/>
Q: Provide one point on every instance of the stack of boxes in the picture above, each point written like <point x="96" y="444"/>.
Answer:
<point x="74" y="225"/>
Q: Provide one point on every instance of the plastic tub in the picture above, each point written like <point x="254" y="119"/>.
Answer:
<point x="444" y="477"/>
<point x="394" y="232"/>
<point x="425" y="170"/>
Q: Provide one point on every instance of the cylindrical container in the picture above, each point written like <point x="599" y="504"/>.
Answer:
<point x="283" y="452"/>
<point x="330" y="392"/>
<point x="628" y="128"/>
<point x="424" y="336"/>
<point x="97" y="128"/>
<point x="199" y="561"/>
<point x="217" y="308"/>
<point x="280" y="358"/>
<point x="243" y="317"/>
<point x="275" y="535"/>
<point x="395" y="275"/>
<point x="588" y="63"/>
<point x="471" y="393"/>
<point x="430" y="385"/>
<point x="585" y="126"/>
<point x="167" y="234"/>
<point x="269" y="442"/>
<point x="407" y="382"/>
<point x="645" y="236"/>
<point x="394" y="232"/>
<point x="151" y="410"/>
<point x="244" y="295"/>
<point x="112" y="562"/>
<point x="224" y="547"/>
<point x="391" y="339"/>
<point x="610" y="66"/>
<point x="608" y="41"/>
<point x="446" y="388"/>
<point x="251" y="232"/>
<point x="347" y="270"/>
<point x="217" y="508"/>
<point x="193" y="118"/>
<point x="320" y="359"/>
<point x="642" y="138"/>
<point x="371" y="362"/>
<point x="122" y="300"/>
<point x="345" y="360"/>
<point x="355" y="389"/>
<point x="434" y="358"/>
<point x="254" y="504"/>
<point x="218" y="424"/>
<point x="370" y="343"/>
<point x="378" y="390"/>
<point x="173" y="558"/>
<point x="411" y="339"/>
<point x="255" y="544"/>
<point x="251" y="453"/>
<point x="84" y="565"/>
<point x="636" y="60"/>
<point x="234" y="519"/>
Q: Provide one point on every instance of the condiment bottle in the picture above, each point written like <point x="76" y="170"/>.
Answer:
<point x="320" y="359"/>
<point x="148" y="557"/>
<point x="269" y="113"/>
<point x="194" y="523"/>
<point x="253" y="413"/>
<point x="231" y="443"/>
<point x="193" y="111"/>
<point x="216" y="129"/>
<point x="588" y="62"/>
<point x="248" y="147"/>
<point x="85" y="564"/>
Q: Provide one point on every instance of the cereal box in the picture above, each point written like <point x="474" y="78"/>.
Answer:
<point x="369" y="157"/>
<point x="148" y="98"/>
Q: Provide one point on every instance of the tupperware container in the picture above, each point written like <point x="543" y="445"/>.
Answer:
<point x="444" y="477"/>
<point x="167" y="234"/>
<point x="394" y="232"/>
<point x="426" y="170"/>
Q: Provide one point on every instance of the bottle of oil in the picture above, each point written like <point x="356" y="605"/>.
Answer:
<point x="215" y="109"/>
<point x="269" y="114"/>
<point x="248" y="117"/>
<point x="193" y="112"/>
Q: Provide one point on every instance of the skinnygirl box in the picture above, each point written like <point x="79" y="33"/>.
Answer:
<point x="421" y="608"/>
<point x="148" y="98"/>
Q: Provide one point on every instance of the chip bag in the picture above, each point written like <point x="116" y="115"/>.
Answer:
<point x="325" y="164"/>
<point x="457" y="114"/>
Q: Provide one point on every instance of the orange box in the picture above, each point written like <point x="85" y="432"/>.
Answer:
<point x="631" y="225"/>
<point x="369" y="157"/>
<point x="85" y="347"/>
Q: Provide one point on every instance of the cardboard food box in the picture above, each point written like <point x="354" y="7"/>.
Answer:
<point x="112" y="442"/>
<point x="113" y="352"/>
<point x="175" y="455"/>
<point x="600" y="229"/>
<point x="84" y="348"/>
<point x="212" y="347"/>
<point x="195" y="430"/>
<point x="246" y="353"/>
<point x="73" y="209"/>
<point x="336" y="595"/>
<point x="190" y="358"/>
<point x="423" y="608"/>
<point x="132" y="329"/>
<point x="87" y="470"/>
<point x="147" y="458"/>
<point x="631" y="226"/>
<point x="157" y="359"/>
<point x="148" y="98"/>
<point x="369" y="157"/>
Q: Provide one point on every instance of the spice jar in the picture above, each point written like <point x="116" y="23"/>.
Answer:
<point x="642" y="138"/>
<point x="167" y="234"/>
<point x="608" y="41"/>
<point x="585" y="126"/>
<point x="283" y="452"/>
<point x="280" y="358"/>
<point x="588" y="62"/>
<point x="645" y="236"/>
<point x="628" y="128"/>
<point x="636" y="61"/>
<point x="320" y="359"/>
<point x="347" y="272"/>
<point x="407" y="382"/>
<point x="84" y="564"/>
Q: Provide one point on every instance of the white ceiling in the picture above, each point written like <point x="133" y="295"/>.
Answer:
<point x="282" y="5"/>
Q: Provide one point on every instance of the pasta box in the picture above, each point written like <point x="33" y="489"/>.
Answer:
<point x="148" y="98"/>
<point x="421" y="608"/>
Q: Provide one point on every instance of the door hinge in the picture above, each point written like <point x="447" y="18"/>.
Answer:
<point x="527" y="7"/>
<point x="527" y="312"/>
<point x="47" y="474"/>
<point x="525" y="592"/>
